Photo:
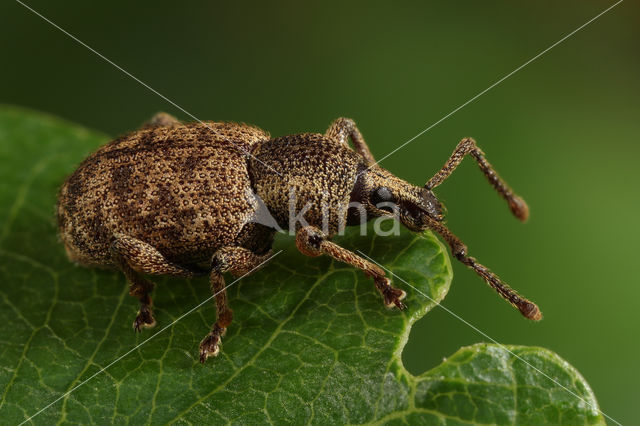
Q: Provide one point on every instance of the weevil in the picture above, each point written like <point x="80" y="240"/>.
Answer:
<point x="180" y="199"/>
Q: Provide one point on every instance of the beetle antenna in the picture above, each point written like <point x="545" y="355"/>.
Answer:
<point x="459" y="250"/>
<point x="467" y="146"/>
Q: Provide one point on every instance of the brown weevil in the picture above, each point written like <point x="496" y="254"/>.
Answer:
<point x="184" y="199"/>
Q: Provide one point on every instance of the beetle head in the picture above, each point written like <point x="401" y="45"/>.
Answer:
<point x="383" y="194"/>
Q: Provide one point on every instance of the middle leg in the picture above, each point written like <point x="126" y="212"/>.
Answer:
<point x="239" y="261"/>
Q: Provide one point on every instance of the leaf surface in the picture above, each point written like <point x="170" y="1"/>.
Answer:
<point x="311" y="341"/>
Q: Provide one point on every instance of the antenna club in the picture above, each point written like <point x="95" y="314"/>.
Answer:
<point x="530" y="310"/>
<point x="519" y="208"/>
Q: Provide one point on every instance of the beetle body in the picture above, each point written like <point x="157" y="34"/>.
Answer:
<point x="207" y="198"/>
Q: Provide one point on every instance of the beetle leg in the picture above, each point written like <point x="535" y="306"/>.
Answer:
<point x="140" y="289"/>
<point x="466" y="146"/>
<point x="161" y="119"/>
<point x="132" y="256"/>
<point x="143" y="257"/>
<point x="312" y="242"/>
<point x="343" y="128"/>
<point x="239" y="261"/>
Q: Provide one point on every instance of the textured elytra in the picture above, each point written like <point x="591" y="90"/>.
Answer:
<point x="326" y="351"/>
<point x="180" y="188"/>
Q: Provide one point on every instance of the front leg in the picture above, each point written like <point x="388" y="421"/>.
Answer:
<point x="343" y="128"/>
<point x="313" y="242"/>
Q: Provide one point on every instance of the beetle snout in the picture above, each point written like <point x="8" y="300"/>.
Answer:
<point x="417" y="211"/>
<point x="431" y="205"/>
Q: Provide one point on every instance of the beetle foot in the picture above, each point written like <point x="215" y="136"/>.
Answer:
<point x="392" y="296"/>
<point x="210" y="345"/>
<point x="144" y="319"/>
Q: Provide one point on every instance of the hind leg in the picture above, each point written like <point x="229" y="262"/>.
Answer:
<point x="239" y="261"/>
<point x="161" y="119"/>
<point x="132" y="256"/>
<point x="139" y="288"/>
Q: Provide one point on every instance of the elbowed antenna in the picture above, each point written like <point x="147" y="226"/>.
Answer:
<point x="459" y="250"/>
<point x="466" y="146"/>
<point x="517" y="205"/>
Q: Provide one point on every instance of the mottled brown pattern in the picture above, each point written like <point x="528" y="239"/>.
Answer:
<point x="179" y="188"/>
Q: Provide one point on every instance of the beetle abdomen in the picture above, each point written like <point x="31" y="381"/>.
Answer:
<point x="181" y="189"/>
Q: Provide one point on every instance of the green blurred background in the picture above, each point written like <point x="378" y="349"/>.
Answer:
<point x="563" y="131"/>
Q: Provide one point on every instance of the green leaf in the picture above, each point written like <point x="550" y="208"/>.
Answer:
<point x="311" y="341"/>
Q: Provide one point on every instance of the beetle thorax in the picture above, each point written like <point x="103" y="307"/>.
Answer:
<point x="304" y="180"/>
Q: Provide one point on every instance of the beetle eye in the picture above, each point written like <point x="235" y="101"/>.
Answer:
<point x="381" y="195"/>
